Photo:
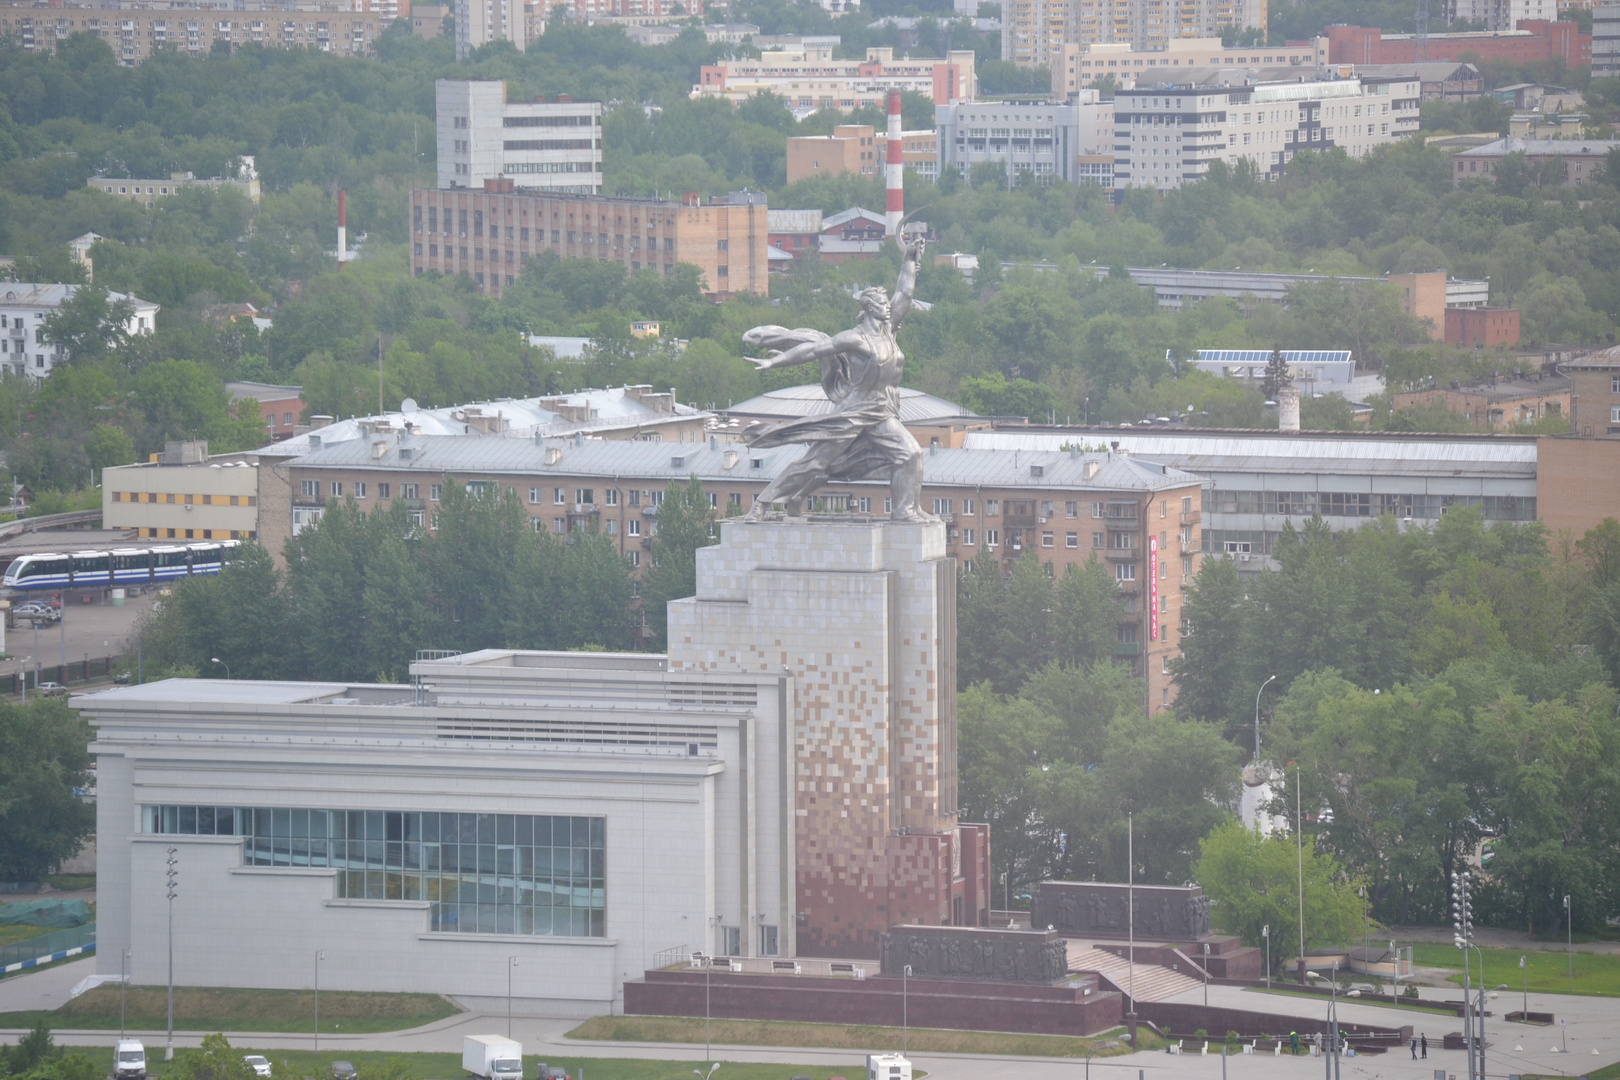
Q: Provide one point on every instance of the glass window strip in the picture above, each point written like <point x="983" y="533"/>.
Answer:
<point x="539" y="875"/>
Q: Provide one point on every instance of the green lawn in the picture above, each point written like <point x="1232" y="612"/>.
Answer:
<point x="227" y="1009"/>
<point x="1548" y="970"/>
<point x="14" y="932"/>
<point x="861" y="1038"/>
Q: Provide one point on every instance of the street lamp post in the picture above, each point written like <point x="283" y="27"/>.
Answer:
<point x="1130" y="911"/>
<point x="905" y="1010"/>
<point x="123" y="984"/>
<point x="710" y="1073"/>
<point x="1462" y="921"/>
<point x="1257" y="694"/>
<point x="1568" y="935"/>
<point x="221" y="663"/>
<point x="1299" y="842"/>
<point x="1524" y="1009"/>
<point x="708" y="970"/>
<point x="1265" y="932"/>
<point x="1206" y="974"/>
<point x="511" y="962"/>
<point x="173" y="874"/>
<point x="320" y="954"/>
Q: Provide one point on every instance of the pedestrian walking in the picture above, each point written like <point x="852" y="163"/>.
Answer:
<point x="1423" y="1043"/>
<point x="1414" y="1049"/>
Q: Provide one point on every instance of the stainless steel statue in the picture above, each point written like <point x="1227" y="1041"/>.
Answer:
<point x="862" y="438"/>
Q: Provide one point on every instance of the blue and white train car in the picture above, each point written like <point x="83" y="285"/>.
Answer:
<point x="121" y="566"/>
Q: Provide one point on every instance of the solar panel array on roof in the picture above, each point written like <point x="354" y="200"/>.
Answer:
<point x="1261" y="356"/>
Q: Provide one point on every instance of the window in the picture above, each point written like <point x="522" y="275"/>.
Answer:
<point x="1046" y="509"/>
<point x="1236" y="547"/>
<point x="337" y="489"/>
<point x="731" y="941"/>
<point x="1186" y="504"/>
<point x="942" y="506"/>
<point x="1614" y="414"/>
<point x="613" y="527"/>
<point x="1071" y="540"/>
<point x="634" y="528"/>
<point x="1071" y="509"/>
<point x="559" y="496"/>
<point x="1097" y="539"/>
<point x="714" y="500"/>
<point x="992" y="508"/>
<point x="734" y="501"/>
<point x="383" y="490"/>
<point x="441" y="858"/>
<point x="434" y="491"/>
<point x="992" y="537"/>
<point x="967" y="538"/>
<point x="559" y="525"/>
<point x="612" y="496"/>
<point x="767" y="934"/>
<point x="310" y="489"/>
<point x="534" y="495"/>
<point x="967" y="508"/>
<point x="1125" y="572"/>
<point x="635" y="556"/>
<point x="408" y="491"/>
<point x="585" y="496"/>
<point x="1614" y="384"/>
<point x="635" y="498"/>
<point x="1046" y="539"/>
<point x="1096" y="510"/>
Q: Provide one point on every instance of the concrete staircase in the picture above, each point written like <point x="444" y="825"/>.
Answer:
<point x="1153" y="982"/>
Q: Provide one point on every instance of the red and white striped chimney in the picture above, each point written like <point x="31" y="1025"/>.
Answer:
<point x="894" y="175"/>
<point x="343" y="227"/>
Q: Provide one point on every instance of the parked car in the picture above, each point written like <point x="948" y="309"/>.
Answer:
<point x="51" y="689"/>
<point x="122" y="679"/>
<point x="260" y="1064"/>
<point x="341" y="1070"/>
<point x="551" y="1072"/>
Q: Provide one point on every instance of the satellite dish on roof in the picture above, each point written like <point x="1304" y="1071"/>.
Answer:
<point x="408" y="405"/>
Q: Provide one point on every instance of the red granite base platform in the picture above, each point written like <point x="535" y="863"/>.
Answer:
<point x="956" y="1004"/>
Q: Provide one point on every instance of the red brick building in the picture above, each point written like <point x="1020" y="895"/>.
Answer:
<point x="1535" y="39"/>
<point x="1482" y="326"/>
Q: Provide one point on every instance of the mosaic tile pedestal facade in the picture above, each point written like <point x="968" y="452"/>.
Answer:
<point x="862" y="614"/>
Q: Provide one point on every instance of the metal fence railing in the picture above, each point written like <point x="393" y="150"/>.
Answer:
<point x="89" y="669"/>
<point x="56" y="945"/>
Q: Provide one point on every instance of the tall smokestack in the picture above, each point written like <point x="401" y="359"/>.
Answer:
<point x="894" y="176"/>
<point x="343" y="227"/>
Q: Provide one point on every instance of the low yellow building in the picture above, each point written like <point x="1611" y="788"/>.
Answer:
<point x="183" y="494"/>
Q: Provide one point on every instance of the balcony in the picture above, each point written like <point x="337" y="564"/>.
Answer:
<point x="1191" y="517"/>
<point x="1121" y="522"/>
<point x="1127" y="648"/>
<point x="1118" y="554"/>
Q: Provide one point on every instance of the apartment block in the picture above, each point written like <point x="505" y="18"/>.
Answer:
<point x="1045" y="138"/>
<point x="1578" y="479"/>
<point x="1500" y="403"/>
<point x="1167" y="136"/>
<point x="548" y="145"/>
<point x="281" y="406"/>
<point x="479" y="22"/>
<point x="147" y="191"/>
<point x="1141" y="521"/>
<point x="1606" y="41"/>
<point x="132" y="32"/>
<point x="183" y="494"/>
<point x="1034" y="32"/>
<point x="809" y="78"/>
<point x="1075" y="66"/>
<point x="859" y="149"/>
<point x="23" y="308"/>
<point x="1503" y="14"/>
<point x="487" y="234"/>
<point x="1571" y="161"/>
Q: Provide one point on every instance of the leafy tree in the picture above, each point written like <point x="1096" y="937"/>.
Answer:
<point x="89" y="324"/>
<point x="1212" y="671"/>
<point x="685" y="523"/>
<point x="43" y="761"/>
<point x="214" y="1060"/>
<point x="1254" y="882"/>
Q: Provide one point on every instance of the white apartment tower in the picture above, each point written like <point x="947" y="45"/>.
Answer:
<point x="550" y="145"/>
<point x="1034" y="31"/>
<point x="479" y="22"/>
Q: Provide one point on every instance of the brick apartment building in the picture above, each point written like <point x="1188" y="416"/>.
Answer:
<point x="133" y="32"/>
<point x="1578" y="475"/>
<point x="487" y="234"/>
<point x="1500" y="403"/>
<point x="1534" y="40"/>
<point x="1142" y="520"/>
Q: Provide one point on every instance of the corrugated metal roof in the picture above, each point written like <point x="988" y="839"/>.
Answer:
<point x="1596" y="148"/>
<point x="1206" y="454"/>
<point x="473" y="458"/>
<point x="793" y="402"/>
<point x="794" y="221"/>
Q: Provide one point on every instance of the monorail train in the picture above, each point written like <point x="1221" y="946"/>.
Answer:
<point x="122" y="566"/>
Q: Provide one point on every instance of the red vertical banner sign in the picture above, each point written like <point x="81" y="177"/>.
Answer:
<point x="1153" y="587"/>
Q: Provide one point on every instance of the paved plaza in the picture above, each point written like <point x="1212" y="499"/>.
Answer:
<point x="1591" y="1024"/>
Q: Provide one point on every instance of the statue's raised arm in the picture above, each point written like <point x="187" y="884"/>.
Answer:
<point x="900" y="306"/>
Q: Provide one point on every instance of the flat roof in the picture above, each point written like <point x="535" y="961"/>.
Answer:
<point x="222" y="692"/>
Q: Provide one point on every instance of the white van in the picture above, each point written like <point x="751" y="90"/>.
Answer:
<point x="129" y="1060"/>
